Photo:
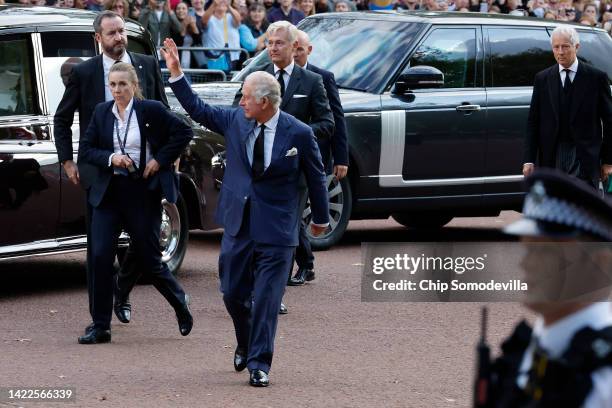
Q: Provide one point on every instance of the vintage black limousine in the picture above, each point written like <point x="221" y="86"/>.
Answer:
<point x="41" y="211"/>
<point x="436" y="107"/>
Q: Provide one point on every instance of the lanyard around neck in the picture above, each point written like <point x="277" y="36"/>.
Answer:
<point x="127" y="127"/>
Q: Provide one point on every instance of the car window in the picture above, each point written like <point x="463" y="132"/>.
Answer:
<point x="62" y="51"/>
<point x="362" y="54"/>
<point x="17" y="80"/>
<point x="139" y="46"/>
<point x="452" y="51"/>
<point x="596" y="49"/>
<point x="517" y="55"/>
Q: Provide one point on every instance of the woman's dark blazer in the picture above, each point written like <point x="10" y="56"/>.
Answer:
<point x="167" y="135"/>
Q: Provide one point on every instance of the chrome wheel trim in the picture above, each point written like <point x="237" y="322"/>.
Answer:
<point x="335" y="197"/>
<point x="170" y="230"/>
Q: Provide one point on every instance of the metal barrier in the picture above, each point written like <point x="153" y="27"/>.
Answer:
<point x="197" y="75"/>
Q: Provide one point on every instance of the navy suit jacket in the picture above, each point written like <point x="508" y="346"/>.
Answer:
<point x="339" y="141"/>
<point x="166" y="134"/>
<point x="273" y="197"/>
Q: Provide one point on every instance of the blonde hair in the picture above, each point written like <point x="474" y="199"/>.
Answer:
<point x="132" y="77"/>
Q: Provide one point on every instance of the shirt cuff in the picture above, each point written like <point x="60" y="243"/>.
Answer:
<point x="175" y="79"/>
<point x="110" y="159"/>
<point x="320" y="225"/>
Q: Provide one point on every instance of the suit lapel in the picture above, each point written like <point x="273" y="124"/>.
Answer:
<point x="578" y="90"/>
<point x="294" y="81"/>
<point x="270" y="69"/>
<point x="554" y="79"/>
<point x="99" y="81"/>
<point x="281" y="138"/>
<point x="137" y="64"/>
<point x="140" y="113"/>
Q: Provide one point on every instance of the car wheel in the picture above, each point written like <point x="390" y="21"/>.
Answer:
<point x="422" y="220"/>
<point x="173" y="235"/>
<point x="340" y="207"/>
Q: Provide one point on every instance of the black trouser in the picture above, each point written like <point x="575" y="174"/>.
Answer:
<point x="129" y="204"/>
<point x="127" y="270"/>
<point x="567" y="161"/>
<point x="304" y="258"/>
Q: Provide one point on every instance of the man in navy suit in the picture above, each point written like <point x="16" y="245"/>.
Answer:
<point x="266" y="151"/>
<point x="303" y="96"/>
<point x="304" y="257"/>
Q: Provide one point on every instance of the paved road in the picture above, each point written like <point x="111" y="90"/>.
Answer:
<point x="332" y="350"/>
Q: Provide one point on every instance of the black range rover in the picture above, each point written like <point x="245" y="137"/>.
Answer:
<point x="436" y="107"/>
<point x="41" y="211"/>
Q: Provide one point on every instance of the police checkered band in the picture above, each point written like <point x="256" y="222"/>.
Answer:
<point x="541" y="207"/>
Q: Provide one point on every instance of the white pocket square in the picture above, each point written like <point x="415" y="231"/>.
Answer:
<point x="291" y="152"/>
<point x="299" y="96"/>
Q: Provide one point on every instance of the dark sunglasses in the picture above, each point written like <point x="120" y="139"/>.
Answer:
<point x="570" y="10"/>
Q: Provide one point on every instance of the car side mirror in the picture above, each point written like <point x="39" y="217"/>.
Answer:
<point x="419" y="77"/>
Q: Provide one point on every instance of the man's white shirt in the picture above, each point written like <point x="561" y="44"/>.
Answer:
<point x="107" y="63"/>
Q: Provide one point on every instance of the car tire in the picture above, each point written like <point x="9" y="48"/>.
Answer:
<point x="173" y="237"/>
<point x="422" y="220"/>
<point x="340" y="207"/>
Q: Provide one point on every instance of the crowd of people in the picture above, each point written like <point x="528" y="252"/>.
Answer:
<point x="236" y="24"/>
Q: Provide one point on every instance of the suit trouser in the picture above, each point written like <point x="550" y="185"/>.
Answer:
<point x="304" y="258"/>
<point x="128" y="203"/>
<point x="127" y="271"/>
<point x="253" y="279"/>
<point x="567" y="161"/>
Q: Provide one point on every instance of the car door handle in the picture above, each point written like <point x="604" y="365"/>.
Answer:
<point x="467" y="108"/>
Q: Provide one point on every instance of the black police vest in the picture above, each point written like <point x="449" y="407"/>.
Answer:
<point x="565" y="101"/>
<point x="566" y="382"/>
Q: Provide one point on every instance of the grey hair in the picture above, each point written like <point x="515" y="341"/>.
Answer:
<point x="289" y="28"/>
<point x="567" y="32"/>
<point x="101" y="16"/>
<point x="265" y="85"/>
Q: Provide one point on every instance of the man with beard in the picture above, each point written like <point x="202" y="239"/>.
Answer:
<point x="88" y="86"/>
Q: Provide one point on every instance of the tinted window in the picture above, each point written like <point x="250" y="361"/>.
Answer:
<point x="17" y="89"/>
<point x="68" y="44"/>
<point x="517" y="55"/>
<point x="61" y="52"/>
<point x="362" y="54"/>
<point x="596" y="49"/>
<point x="139" y="46"/>
<point x="452" y="51"/>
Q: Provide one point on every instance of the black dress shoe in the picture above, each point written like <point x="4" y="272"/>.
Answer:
<point x="95" y="336"/>
<point x="283" y="309"/>
<point x="123" y="311"/>
<point x="90" y="327"/>
<point x="240" y="359"/>
<point x="302" y="276"/>
<point x="259" y="378"/>
<point x="184" y="318"/>
<point x="122" y="305"/>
